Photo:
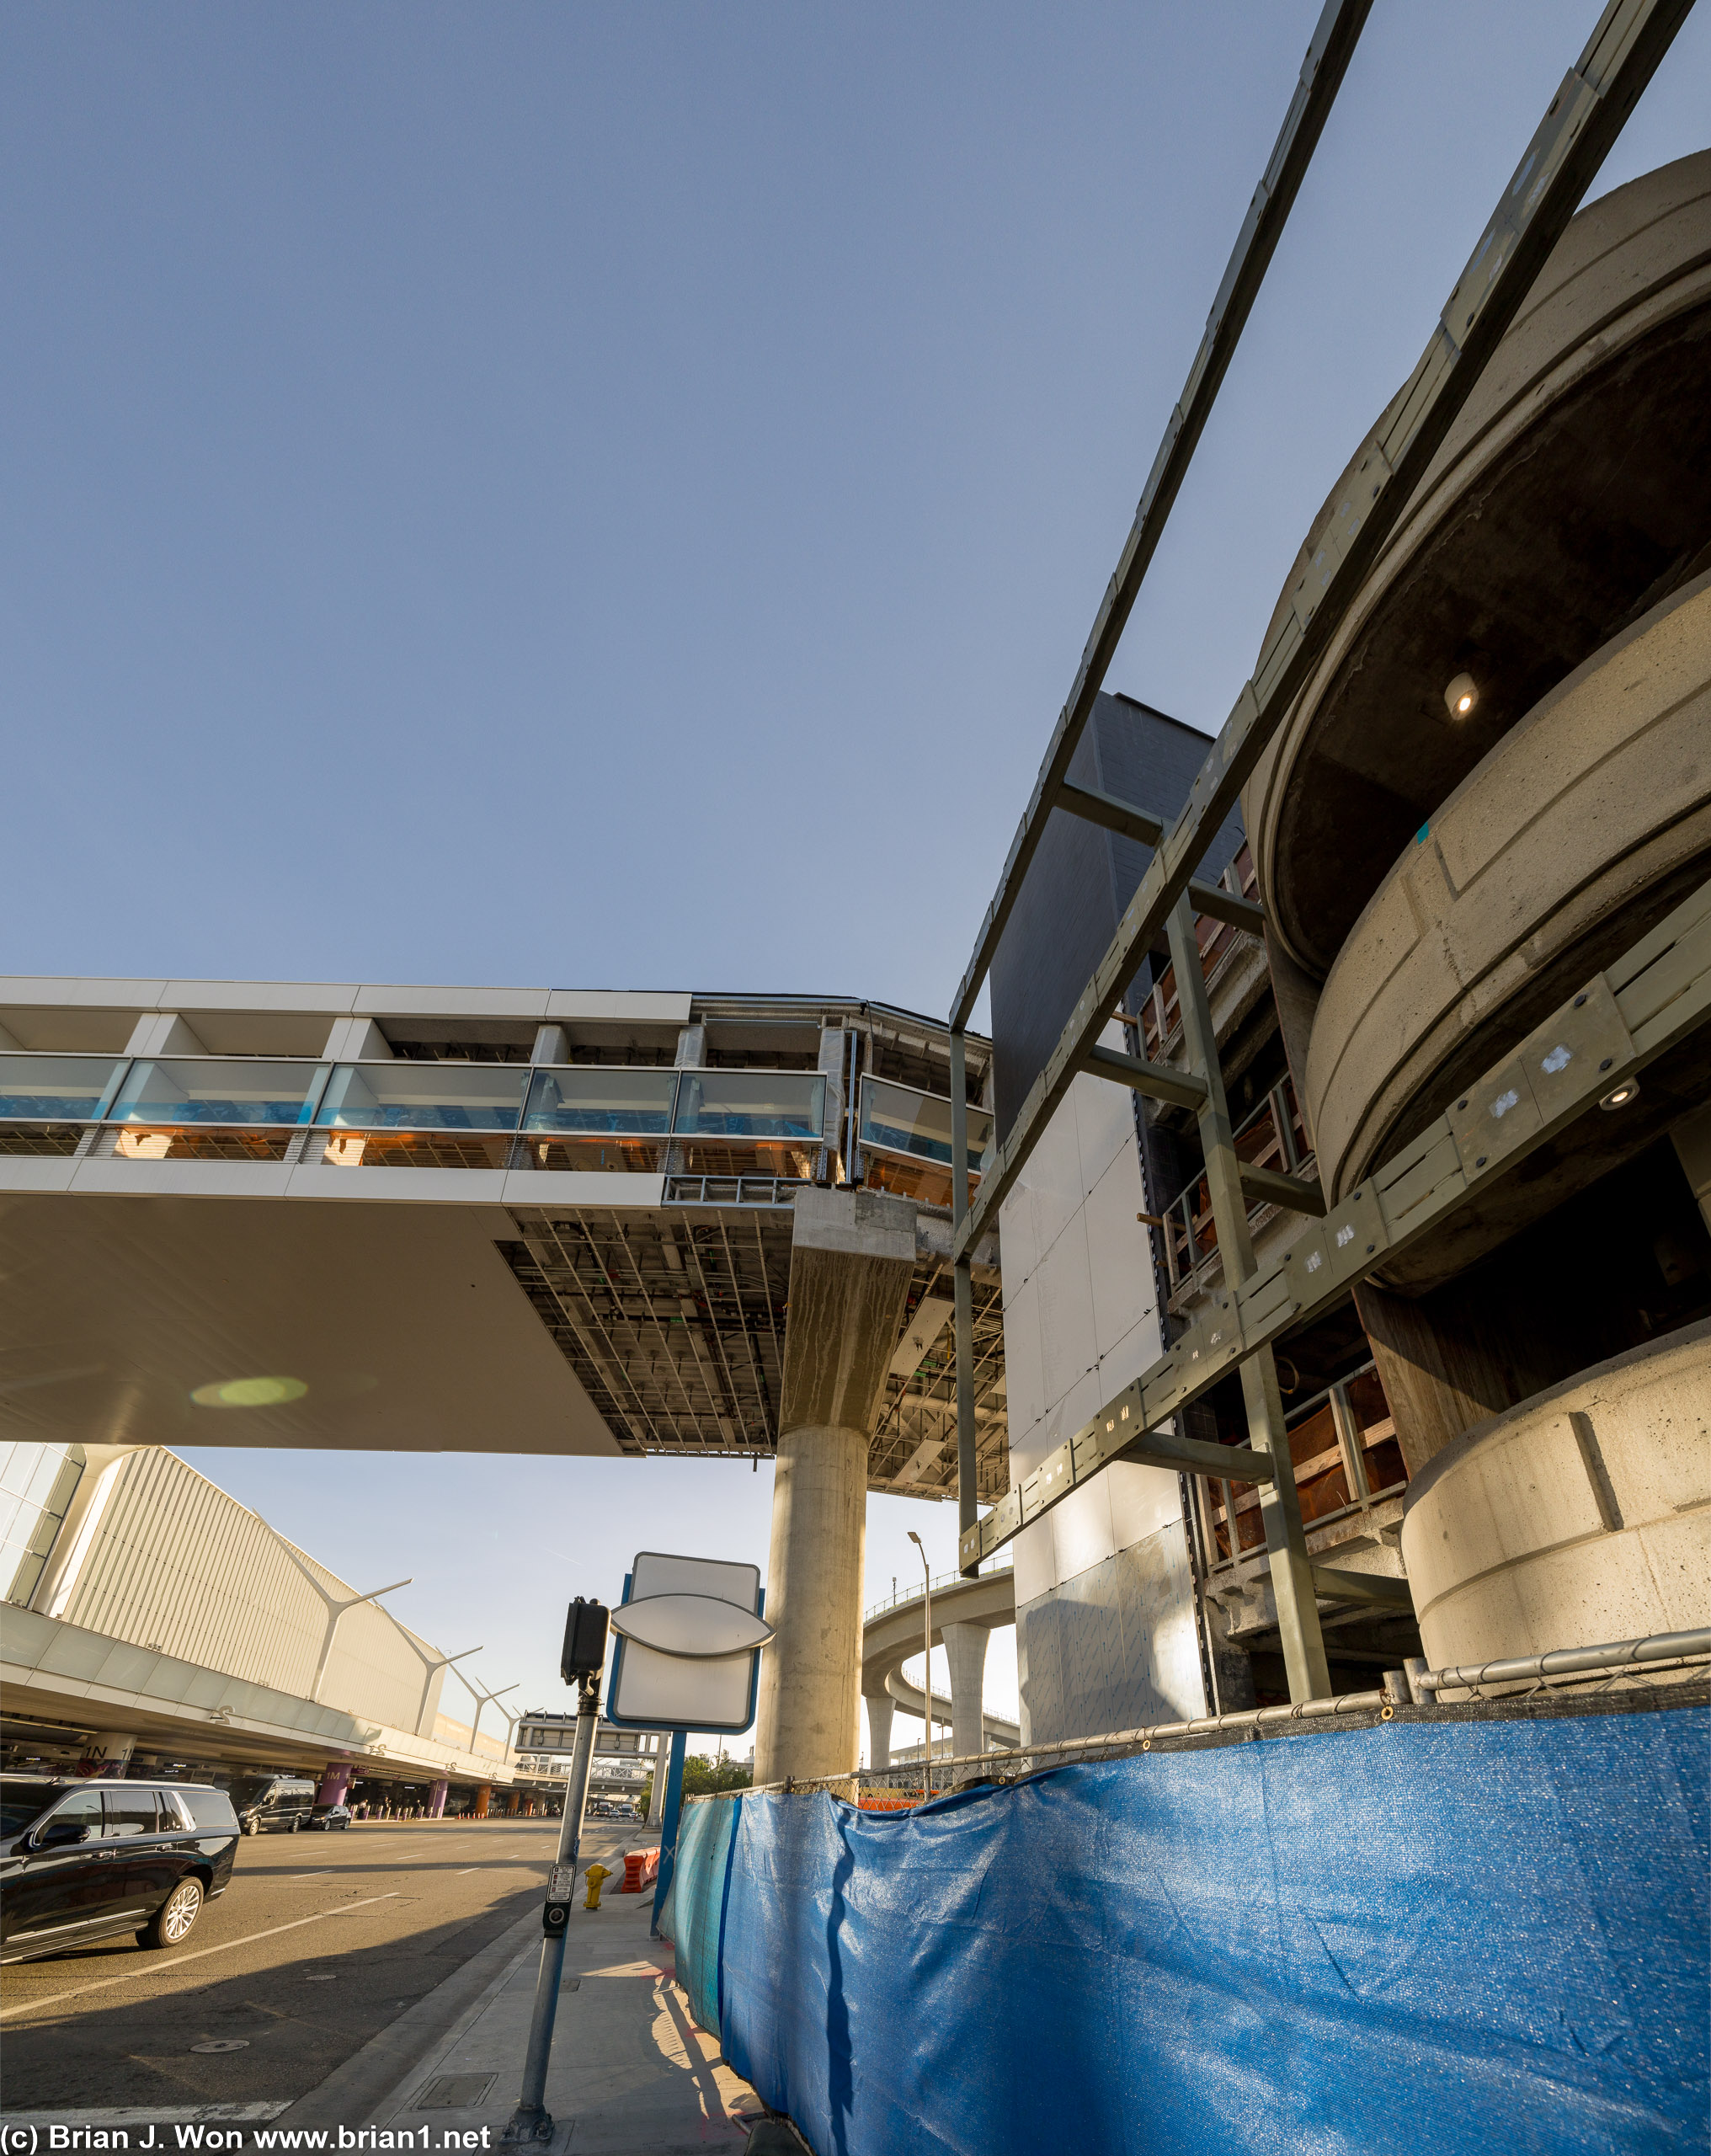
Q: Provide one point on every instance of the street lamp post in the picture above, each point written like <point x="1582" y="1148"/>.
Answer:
<point x="926" y="1673"/>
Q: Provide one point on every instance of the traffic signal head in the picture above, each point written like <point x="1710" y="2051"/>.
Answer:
<point x="584" y="1642"/>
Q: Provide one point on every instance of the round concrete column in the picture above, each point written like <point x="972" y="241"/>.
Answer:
<point x="335" y="1782"/>
<point x="965" y="1650"/>
<point x="811" y="1673"/>
<point x="879" y="1714"/>
<point x="436" y="1800"/>
<point x="852" y="1257"/>
<point x="109" y="1752"/>
<point x="1582" y="1515"/>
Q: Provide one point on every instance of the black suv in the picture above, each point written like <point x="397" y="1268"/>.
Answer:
<point x="266" y="1801"/>
<point x="82" y="1859"/>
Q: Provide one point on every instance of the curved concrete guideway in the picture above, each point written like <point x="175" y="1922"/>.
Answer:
<point x="965" y="1614"/>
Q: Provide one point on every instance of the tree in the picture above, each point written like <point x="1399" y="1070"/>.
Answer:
<point x="701" y="1777"/>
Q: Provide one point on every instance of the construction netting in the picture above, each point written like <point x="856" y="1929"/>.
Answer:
<point x="1465" y="1932"/>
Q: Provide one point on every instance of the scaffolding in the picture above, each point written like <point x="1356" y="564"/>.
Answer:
<point x="1620" y="1021"/>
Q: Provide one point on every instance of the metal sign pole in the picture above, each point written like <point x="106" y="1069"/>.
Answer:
<point x="668" y="1826"/>
<point x="584" y="1654"/>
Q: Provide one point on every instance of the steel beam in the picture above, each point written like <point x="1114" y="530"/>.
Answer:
<point x="1640" y="1007"/>
<point x="1280" y="1501"/>
<point x="1158" y="1081"/>
<point x="1583" y="119"/>
<point x="1227" y="905"/>
<point x="1112" y="814"/>
<point x="1265" y="1187"/>
<point x="963" y="1303"/>
<point x="1334" y="38"/>
<point x="1129" y="822"/>
<point x="1189" y="1456"/>
<point x="1376" y="1588"/>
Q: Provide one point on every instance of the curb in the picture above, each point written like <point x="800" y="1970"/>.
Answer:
<point x="356" y="2093"/>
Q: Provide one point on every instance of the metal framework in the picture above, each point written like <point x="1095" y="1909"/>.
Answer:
<point x="673" y="1321"/>
<point x="1619" y="1022"/>
<point x="1415" y="1693"/>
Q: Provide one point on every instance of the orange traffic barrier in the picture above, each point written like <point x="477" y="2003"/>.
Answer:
<point x="640" y="1869"/>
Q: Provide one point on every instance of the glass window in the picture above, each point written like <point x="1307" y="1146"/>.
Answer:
<point x="211" y="1808"/>
<point x="82" y="1811"/>
<point x="36" y="1487"/>
<point x="425" y="1097"/>
<point x="130" y="1810"/>
<point x="908" y="1122"/>
<point x="20" y="1803"/>
<point x="175" y="1814"/>
<point x="58" y="1088"/>
<point x="597" y="1099"/>
<point x="750" y="1104"/>
<point x="222" y="1089"/>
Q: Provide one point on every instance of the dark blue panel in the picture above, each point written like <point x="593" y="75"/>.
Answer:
<point x="1461" y="1937"/>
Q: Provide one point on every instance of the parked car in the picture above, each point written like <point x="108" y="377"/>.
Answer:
<point x="264" y="1803"/>
<point x="333" y="1817"/>
<point x="80" y="1860"/>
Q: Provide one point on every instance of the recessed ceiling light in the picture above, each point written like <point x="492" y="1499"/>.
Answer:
<point x="1461" y="695"/>
<point x="249" y="1392"/>
<point x="1618" y="1097"/>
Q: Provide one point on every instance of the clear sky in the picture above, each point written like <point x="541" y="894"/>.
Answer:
<point x="614" y="497"/>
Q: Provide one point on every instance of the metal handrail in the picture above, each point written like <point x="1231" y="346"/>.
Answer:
<point x="1615" y="1657"/>
<point x="901" y="1600"/>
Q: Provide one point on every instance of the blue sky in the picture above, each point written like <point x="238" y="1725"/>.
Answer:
<point x="615" y="497"/>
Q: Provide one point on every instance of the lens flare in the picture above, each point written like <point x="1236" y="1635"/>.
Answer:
<point x="249" y="1392"/>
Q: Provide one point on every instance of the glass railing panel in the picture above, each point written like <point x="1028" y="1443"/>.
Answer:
<point x="58" y="1088"/>
<point x="623" y="1153"/>
<point x="908" y="1122"/>
<point x="219" y="1089"/>
<point x="425" y="1097"/>
<point x="577" y="1101"/>
<point x="751" y="1104"/>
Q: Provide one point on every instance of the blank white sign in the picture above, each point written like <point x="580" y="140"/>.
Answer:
<point x="666" y="1691"/>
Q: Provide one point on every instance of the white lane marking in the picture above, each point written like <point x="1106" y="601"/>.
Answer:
<point x="321" y="1874"/>
<point x="466" y="1871"/>
<point x="159" y="1968"/>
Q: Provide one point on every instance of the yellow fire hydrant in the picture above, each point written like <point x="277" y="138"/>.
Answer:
<point x="595" y="1875"/>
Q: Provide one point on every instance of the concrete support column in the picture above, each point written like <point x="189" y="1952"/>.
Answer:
<point x="109" y="1752"/>
<point x="335" y="1782"/>
<point x="965" y="1650"/>
<point x="483" y="1800"/>
<point x="811" y="1676"/>
<point x="852" y="1257"/>
<point x="879" y="1714"/>
<point x="436" y="1800"/>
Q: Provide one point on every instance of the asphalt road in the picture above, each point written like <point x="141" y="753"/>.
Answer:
<point x="320" y="1941"/>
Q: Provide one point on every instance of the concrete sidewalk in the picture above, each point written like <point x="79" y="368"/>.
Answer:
<point x="632" y="2075"/>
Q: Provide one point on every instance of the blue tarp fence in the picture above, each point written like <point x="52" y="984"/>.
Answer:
<point x="1465" y="1936"/>
<point x="693" y="1914"/>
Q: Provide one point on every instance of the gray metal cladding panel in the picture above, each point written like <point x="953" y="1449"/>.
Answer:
<point x="1114" y="1647"/>
<point x="1081" y="879"/>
